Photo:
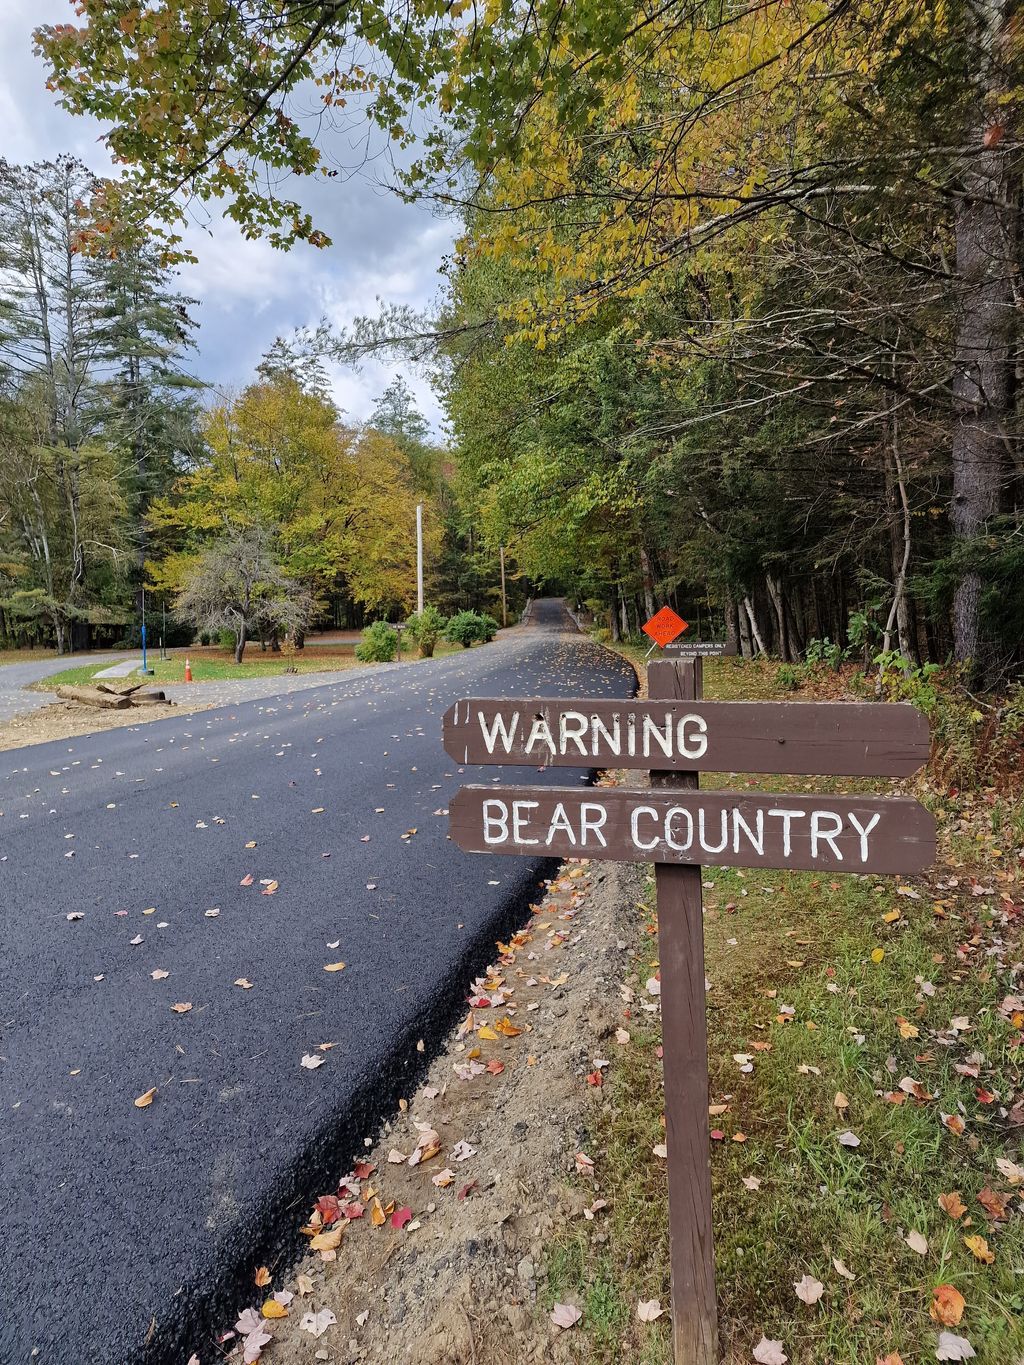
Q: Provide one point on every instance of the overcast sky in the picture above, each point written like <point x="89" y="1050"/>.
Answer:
<point x="248" y="292"/>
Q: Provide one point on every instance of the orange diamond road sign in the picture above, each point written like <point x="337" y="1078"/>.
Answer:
<point x="664" y="626"/>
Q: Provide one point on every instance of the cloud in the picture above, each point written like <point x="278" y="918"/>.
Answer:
<point x="248" y="292"/>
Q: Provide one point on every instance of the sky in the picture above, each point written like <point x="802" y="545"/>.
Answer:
<point x="248" y="292"/>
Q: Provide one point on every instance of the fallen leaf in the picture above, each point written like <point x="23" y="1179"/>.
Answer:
<point x="752" y="1182"/>
<point x="917" y="1241"/>
<point x="947" y="1305"/>
<point x="245" y="983"/>
<point x="317" y="1323"/>
<point x="273" y="1309"/>
<point x="400" y="1217"/>
<point x="993" y="1203"/>
<point x="877" y="954"/>
<point x="334" y="967"/>
<point x="849" y="1139"/>
<point x="841" y="1268"/>
<point x="263" y="1277"/>
<point x="327" y="1241"/>
<point x="840" y="1101"/>
<point x="952" y="1204"/>
<point x="769" y="1352"/>
<point x="660" y="1150"/>
<point x="906" y="1028"/>
<point x="565" y="1315"/>
<point x="247" y="880"/>
<point x="146" y="1099"/>
<point x="649" y="1310"/>
<point x="808" y="1289"/>
<point x="980" y="1249"/>
<point x="182" y="1007"/>
<point x="310" y="1061"/>
<point x="1010" y="1171"/>
<point x="952" y="1347"/>
<point x="159" y="974"/>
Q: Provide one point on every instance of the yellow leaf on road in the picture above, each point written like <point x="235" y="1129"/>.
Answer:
<point x="334" y="967"/>
<point x="487" y="1033"/>
<point x="144" y="1101"/>
<point x="273" y="1309"/>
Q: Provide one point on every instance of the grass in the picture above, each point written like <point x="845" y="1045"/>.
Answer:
<point x="804" y="942"/>
<point x="210" y="664"/>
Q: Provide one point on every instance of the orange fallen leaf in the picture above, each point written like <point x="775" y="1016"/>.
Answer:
<point x="954" y="1123"/>
<point x="377" y="1217"/>
<point x="327" y="1241"/>
<point x="952" y="1204"/>
<point x="906" y="1028"/>
<point x="947" y="1305"/>
<point x="263" y="1276"/>
<point x="508" y="1028"/>
<point x="182" y="1007"/>
<point x="146" y="1099"/>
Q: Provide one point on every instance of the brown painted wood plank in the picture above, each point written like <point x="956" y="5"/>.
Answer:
<point x="685" y="1061"/>
<point x="849" y="739"/>
<point x="823" y="833"/>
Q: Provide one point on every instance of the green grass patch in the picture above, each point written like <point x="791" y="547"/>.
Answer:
<point x="213" y="665"/>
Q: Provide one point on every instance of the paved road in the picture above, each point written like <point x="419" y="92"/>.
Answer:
<point x="126" y="1233"/>
<point x="14" y="678"/>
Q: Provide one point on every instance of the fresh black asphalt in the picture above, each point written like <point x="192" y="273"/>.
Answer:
<point x="128" y="1234"/>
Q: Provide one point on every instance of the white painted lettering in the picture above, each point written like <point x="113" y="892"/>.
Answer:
<point x="787" y="816"/>
<point x="499" y="819"/>
<point x="670" y="817"/>
<point x="864" y="831"/>
<point x="560" y="824"/>
<point x="694" y="744"/>
<point x="612" y="739"/>
<point x="702" y="836"/>
<point x="540" y="733"/>
<point x="593" y="818"/>
<point x="578" y="723"/>
<point x="756" y="839"/>
<point x="519" y="819"/>
<point x="651" y="731"/>
<point x="499" y="723"/>
<point x="634" y="827"/>
<point x="819" y="834"/>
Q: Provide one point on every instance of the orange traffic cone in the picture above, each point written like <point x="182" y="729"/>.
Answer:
<point x="188" y="669"/>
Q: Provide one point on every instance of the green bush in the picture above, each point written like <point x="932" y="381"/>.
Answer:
<point x="425" y="628"/>
<point x="379" y="644"/>
<point x="465" y="628"/>
<point x="824" y="652"/>
<point x="602" y="635"/>
<point x="226" y="639"/>
<point x="790" y="676"/>
<point x="488" y="628"/>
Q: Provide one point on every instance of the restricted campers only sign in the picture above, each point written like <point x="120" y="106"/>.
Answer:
<point x="676" y="735"/>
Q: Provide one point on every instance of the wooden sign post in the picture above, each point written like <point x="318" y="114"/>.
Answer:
<point x="675" y="735"/>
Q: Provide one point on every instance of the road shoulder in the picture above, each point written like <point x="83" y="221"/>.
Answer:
<point x="444" y="1261"/>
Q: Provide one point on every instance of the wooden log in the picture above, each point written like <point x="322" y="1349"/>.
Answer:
<point x="92" y="696"/>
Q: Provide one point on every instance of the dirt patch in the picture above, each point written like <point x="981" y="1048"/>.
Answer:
<point x="461" y="1283"/>
<point x="68" y="720"/>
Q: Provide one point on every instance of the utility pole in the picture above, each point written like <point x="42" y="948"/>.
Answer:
<point x="504" y="604"/>
<point x="419" y="556"/>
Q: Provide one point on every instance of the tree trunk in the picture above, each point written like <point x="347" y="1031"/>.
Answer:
<point x="613" y="621"/>
<point x="623" y="615"/>
<point x="755" y="633"/>
<point x="900" y="545"/>
<point x="240" y="643"/>
<point x="985" y="224"/>
<point x="731" y="623"/>
<point x="746" y="644"/>
<point x="648" y="582"/>
<point x="775" y="593"/>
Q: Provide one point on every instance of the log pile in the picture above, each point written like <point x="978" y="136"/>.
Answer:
<point x="110" y="698"/>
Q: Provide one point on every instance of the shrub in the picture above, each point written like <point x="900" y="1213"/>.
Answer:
<point x="425" y="629"/>
<point x="789" y="676"/>
<point x="464" y="629"/>
<point x="824" y="652"/>
<point x="488" y="628"/>
<point x="602" y="635"/>
<point x="379" y="644"/>
<point x="226" y="639"/>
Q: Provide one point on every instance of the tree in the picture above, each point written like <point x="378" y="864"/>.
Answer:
<point x="237" y="585"/>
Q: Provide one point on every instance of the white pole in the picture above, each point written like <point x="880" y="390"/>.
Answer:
<point x="419" y="556"/>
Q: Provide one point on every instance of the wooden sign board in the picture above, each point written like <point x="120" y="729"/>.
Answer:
<point x="851" y="739"/>
<point x="678" y="827"/>
<point x="698" y="649"/>
<point x="735" y="829"/>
